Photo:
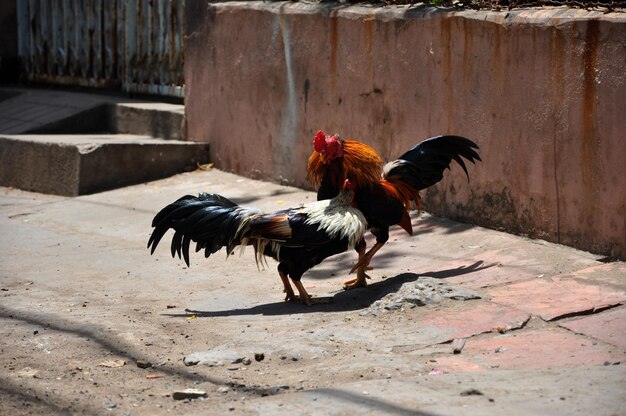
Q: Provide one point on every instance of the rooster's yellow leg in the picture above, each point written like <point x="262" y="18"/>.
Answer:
<point x="360" y="267"/>
<point x="305" y="297"/>
<point x="289" y="295"/>
<point x="359" y="281"/>
<point x="364" y="261"/>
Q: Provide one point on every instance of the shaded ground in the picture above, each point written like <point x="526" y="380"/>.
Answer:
<point x="79" y="290"/>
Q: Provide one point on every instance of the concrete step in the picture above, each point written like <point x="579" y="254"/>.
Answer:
<point x="71" y="165"/>
<point x="160" y="120"/>
<point x="40" y="111"/>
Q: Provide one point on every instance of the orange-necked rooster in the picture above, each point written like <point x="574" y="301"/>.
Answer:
<point x="298" y="238"/>
<point x="384" y="194"/>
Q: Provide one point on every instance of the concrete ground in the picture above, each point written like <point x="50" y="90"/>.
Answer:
<point x="92" y="324"/>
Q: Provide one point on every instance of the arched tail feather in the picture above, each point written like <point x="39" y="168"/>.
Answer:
<point x="210" y="220"/>
<point x="424" y="164"/>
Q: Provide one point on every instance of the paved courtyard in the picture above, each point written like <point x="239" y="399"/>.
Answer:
<point x="457" y="320"/>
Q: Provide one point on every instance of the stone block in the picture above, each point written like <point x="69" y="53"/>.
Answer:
<point x="544" y="348"/>
<point x="608" y="326"/>
<point x="82" y="164"/>
<point x="555" y="298"/>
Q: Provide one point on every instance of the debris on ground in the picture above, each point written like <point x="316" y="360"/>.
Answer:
<point x="472" y="392"/>
<point x="28" y="372"/>
<point x="189" y="394"/>
<point x="457" y="345"/>
<point x="212" y="358"/>
<point x="423" y="292"/>
<point x="113" y="363"/>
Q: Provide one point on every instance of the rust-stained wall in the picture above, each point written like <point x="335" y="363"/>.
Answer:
<point x="542" y="91"/>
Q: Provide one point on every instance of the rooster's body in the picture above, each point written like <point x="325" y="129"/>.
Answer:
<point x="298" y="238"/>
<point x="384" y="194"/>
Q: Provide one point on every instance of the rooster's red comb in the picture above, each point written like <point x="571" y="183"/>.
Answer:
<point x="319" y="142"/>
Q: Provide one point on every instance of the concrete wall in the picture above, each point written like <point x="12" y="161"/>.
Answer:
<point x="542" y="91"/>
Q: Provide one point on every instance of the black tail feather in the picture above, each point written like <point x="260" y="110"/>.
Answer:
<point x="185" y="249"/>
<point x="176" y="240"/>
<point x="424" y="164"/>
<point x="210" y="220"/>
<point x="159" y="232"/>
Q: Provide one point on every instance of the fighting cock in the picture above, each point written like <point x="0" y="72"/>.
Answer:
<point x="383" y="194"/>
<point x="298" y="238"/>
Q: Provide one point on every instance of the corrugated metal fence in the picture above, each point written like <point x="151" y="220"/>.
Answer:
<point x="135" y="45"/>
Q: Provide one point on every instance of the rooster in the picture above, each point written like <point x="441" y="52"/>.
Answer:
<point x="386" y="193"/>
<point x="298" y="238"/>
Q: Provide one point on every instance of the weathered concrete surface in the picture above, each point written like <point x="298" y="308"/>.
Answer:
<point x="542" y="91"/>
<point x="607" y="326"/>
<point x="556" y="298"/>
<point x="162" y="120"/>
<point x="71" y="143"/>
<point x="79" y="289"/>
<point x="531" y="349"/>
<point x="82" y="164"/>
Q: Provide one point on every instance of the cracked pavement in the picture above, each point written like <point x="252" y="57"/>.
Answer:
<point x="79" y="290"/>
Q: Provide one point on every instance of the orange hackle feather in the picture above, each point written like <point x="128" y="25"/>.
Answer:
<point x="316" y="168"/>
<point x="408" y="195"/>
<point x="359" y="162"/>
<point x="402" y="192"/>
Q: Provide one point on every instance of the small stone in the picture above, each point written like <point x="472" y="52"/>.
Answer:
<point x="111" y="406"/>
<point x="246" y="361"/>
<point x="223" y="389"/>
<point x="457" y="345"/>
<point x="35" y="332"/>
<point x="212" y="358"/>
<point x="112" y="363"/>
<point x="143" y="364"/>
<point x="27" y="372"/>
<point x="296" y="357"/>
<point x="415" y="300"/>
<point x="189" y="394"/>
<point x="259" y="356"/>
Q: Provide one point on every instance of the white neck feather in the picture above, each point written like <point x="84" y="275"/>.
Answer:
<point x="337" y="218"/>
